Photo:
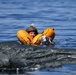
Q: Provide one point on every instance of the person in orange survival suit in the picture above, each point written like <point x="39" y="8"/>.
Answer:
<point x="44" y="40"/>
<point x="30" y="36"/>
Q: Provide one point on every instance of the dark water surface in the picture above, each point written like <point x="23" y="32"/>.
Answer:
<point x="59" y="14"/>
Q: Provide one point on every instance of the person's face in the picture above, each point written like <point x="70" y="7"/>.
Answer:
<point x="32" y="34"/>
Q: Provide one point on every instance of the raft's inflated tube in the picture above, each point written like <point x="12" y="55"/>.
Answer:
<point x="24" y="37"/>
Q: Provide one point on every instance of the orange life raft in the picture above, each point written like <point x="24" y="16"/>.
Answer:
<point x="25" y="38"/>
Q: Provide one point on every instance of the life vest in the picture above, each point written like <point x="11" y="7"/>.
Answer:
<point x="25" y="38"/>
<point x="37" y="40"/>
<point x="49" y="32"/>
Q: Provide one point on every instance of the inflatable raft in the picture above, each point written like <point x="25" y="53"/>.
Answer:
<point x="25" y="38"/>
